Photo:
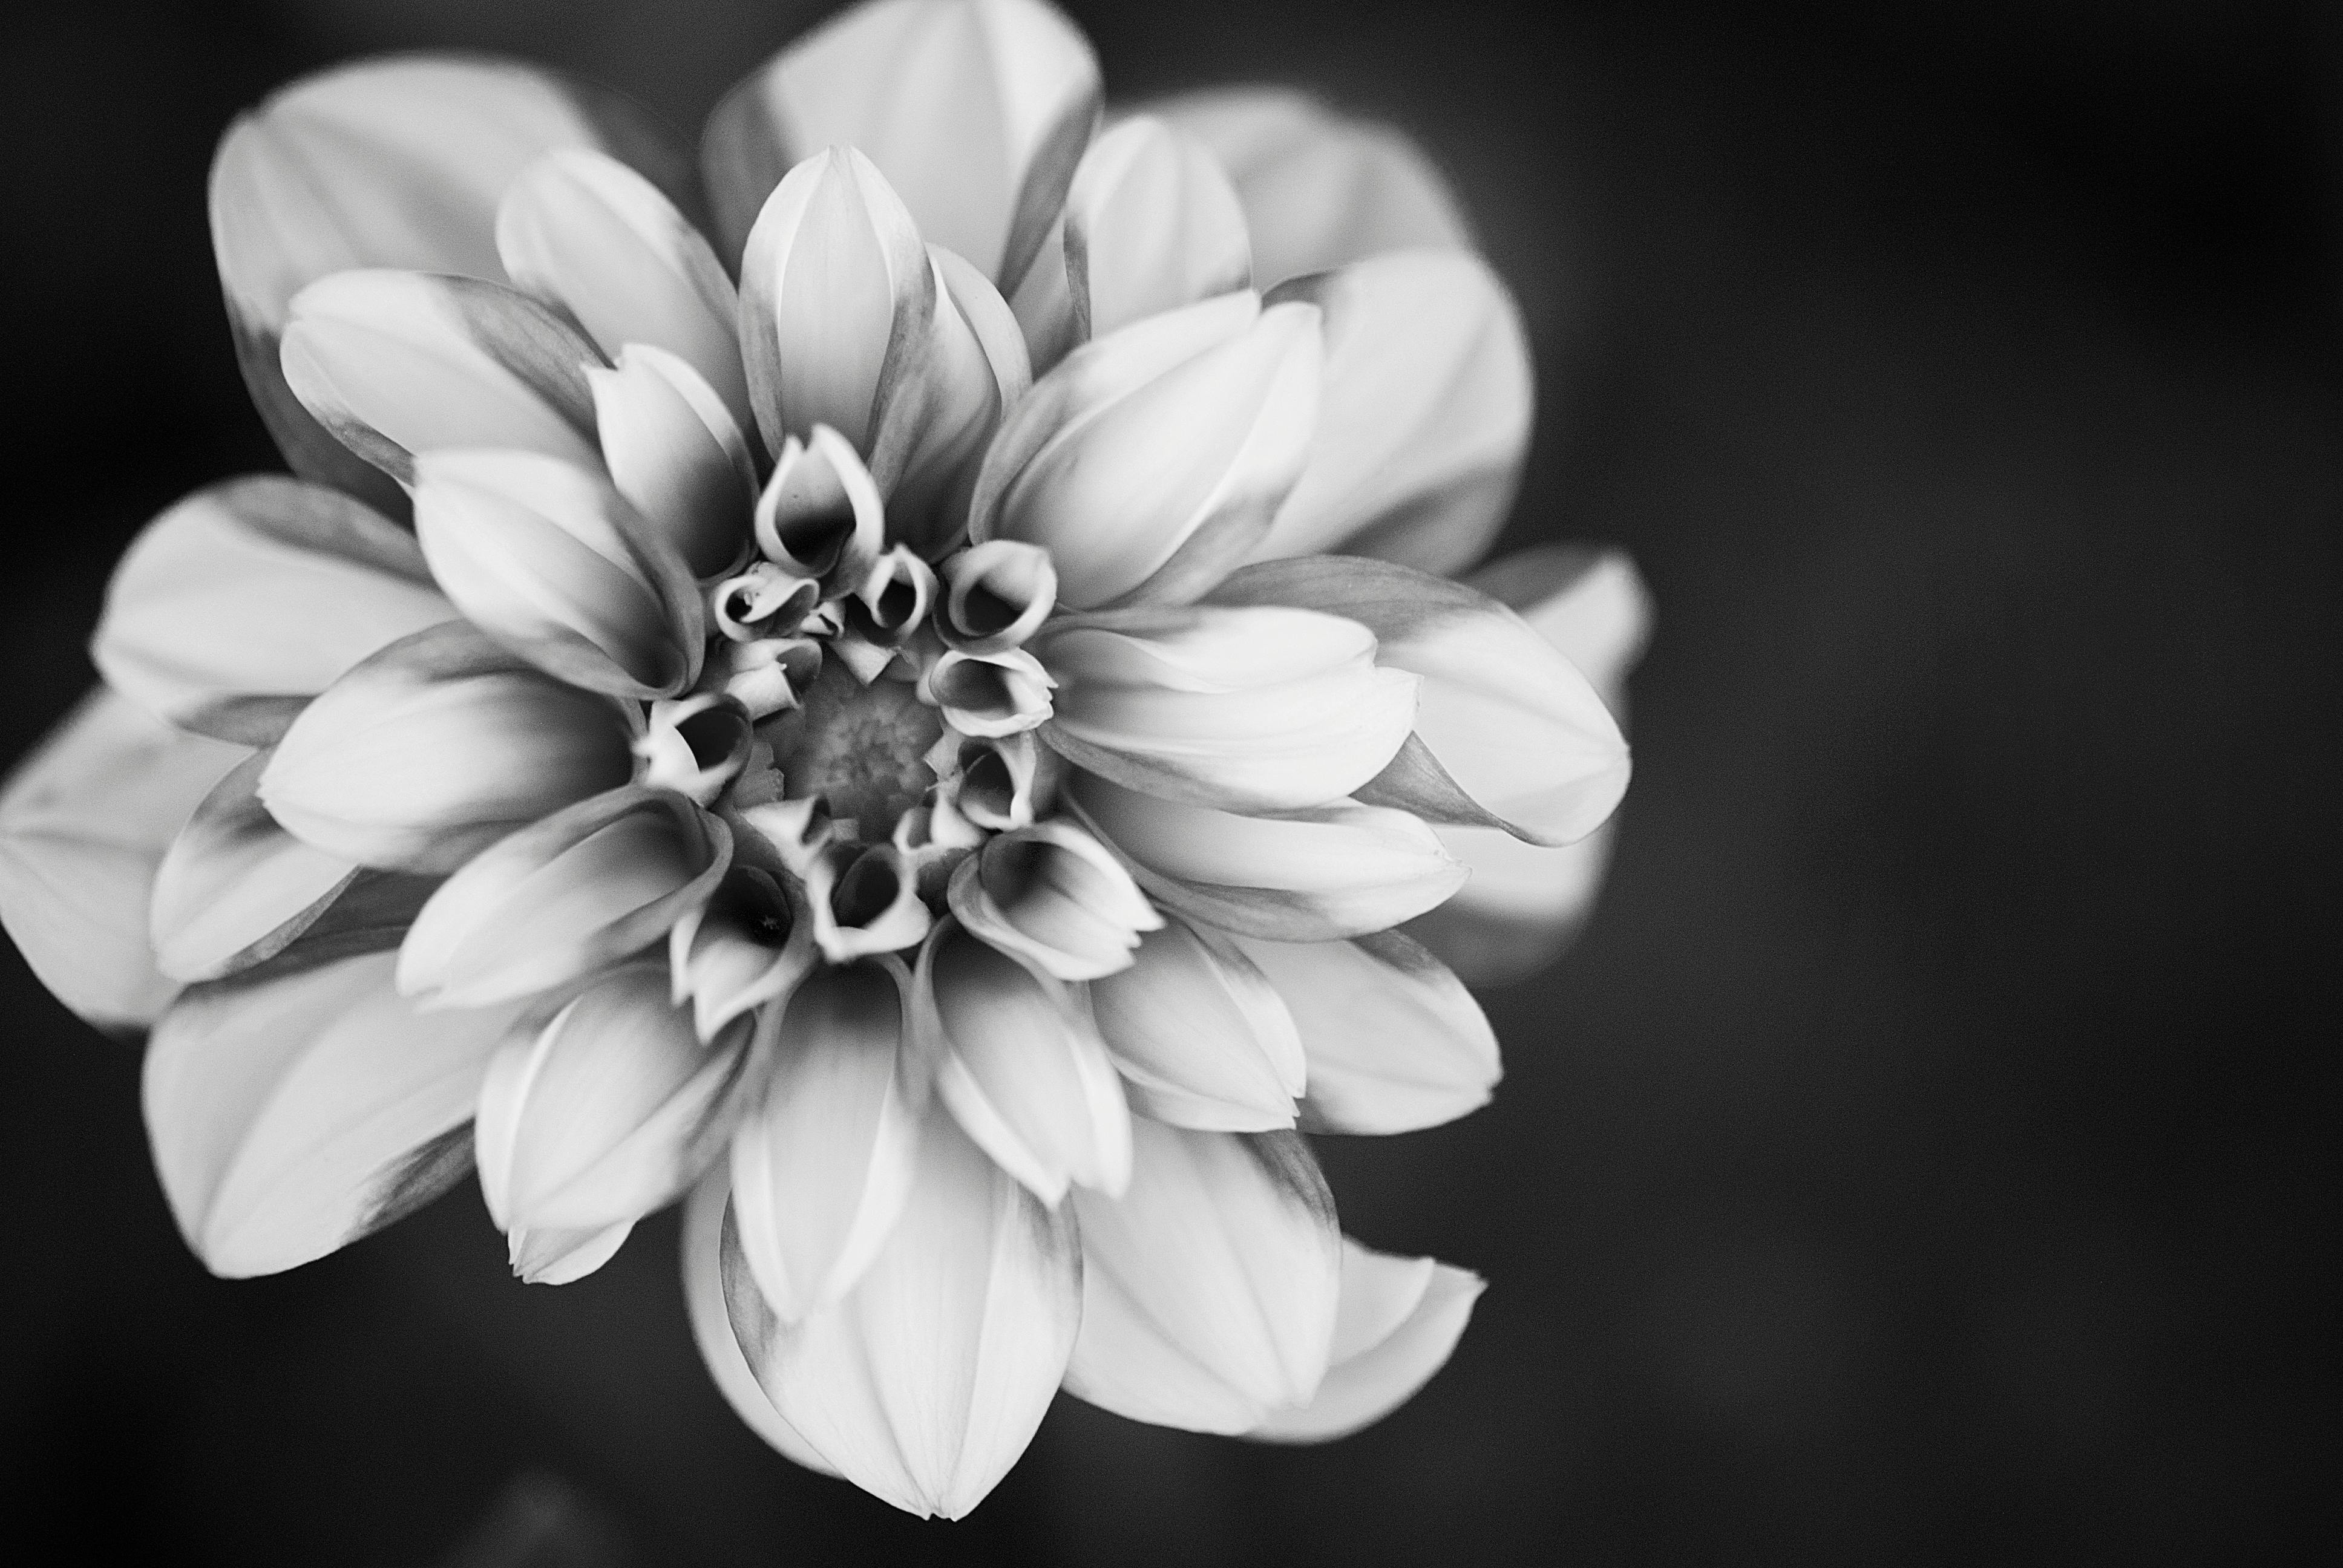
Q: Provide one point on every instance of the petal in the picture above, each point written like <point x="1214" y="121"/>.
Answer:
<point x="1020" y="1066"/>
<point x="695" y="746"/>
<point x="85" y="819"/>
<point x="393" y="162"/>
<point x="1000" y="782"/>
<point x="1200" y="1034"/>
<point x="398" y="363"/>
<point x="294" y="1113"/>
<point x="824" y="1159"/>
<point x="1151" y="223"/>
<point x="1590" y="603"/>
<point x="1399" y="1321"/>
<point x="1520" y="739"/>
<point x="1257" y="709"/>
<point x="711" y="1328"/>
<point x="997" y="595"/>
<point x="821" y="514"/>
<point x="959" y="371"/>
<point x="1083" y="466"/>
<point x="552" y="562"/>
<point x="581" y="230"/>
<point x="989" y="694"/>
<point x="563" y="897"/>
<point x="976" y="110"/>
<point x="864" y="901"/>
<point x="676" y="453"/>
<point x="1425" y="416"/>
<point x="1319" y="189"/>
<point x="924" y="1384"/>
<point x="565" y="1257"/>
<point x="1209" y="1288"/>
<point x="608" y="1110"/>
<point x="1053" y="895"/>
<point x="436" y="747"/>
<point x="1394" y="1041"/>
<point x="1315" y="875"/>
<point x="748" y="945"/>
<point x="236" y="606"/>
<point x="233" y="881"/>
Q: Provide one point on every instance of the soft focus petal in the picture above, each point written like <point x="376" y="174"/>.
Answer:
<point x="1590" y="603"/>
<point x="233" y="881"/>
<point x="1264" y="708"/>
<point x="1051" y="894"/>
<point x="608" y="1110"/>
<point x="1200" y="1034"/>
<point x="1520" y="739"/>
<point x="394" y="162"/>
<point x="864" y="901"/>
<point x="1394" y="1041"/>
<point x="1209" y="1288"/>
<point x="678" y="454"/>
<point x="564" y="1257"/>
<point x="824" y="1157"/>
<point x="1151" y="461"/>
<point x="399" y="363"/>
<point x="711" y="1327"/>
<point x="1151" y="223"/>
<point x="1319" y="189"/>
<point x="1306" y="876"/>
<point x="436" y="747"/>
<point x="1020" y="1066"/>
<point x="1426" y="414"/>
<point x="924" y="1383"/>
<point x="975" y="110"/>
<point x="694" y="746"/>
<point x="294" y="1113"/>
<point x="563" y="897"/>
<point x="748" y="945"/>
<point x="242" y="601"/>
<point x="548" y="559"/>
<point x="580" y="229"/>
<point x="1398" y="1321"/>
<point x="85" y="819"/>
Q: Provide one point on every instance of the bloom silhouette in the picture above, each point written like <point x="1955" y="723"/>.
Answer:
<point x="908" y="716"/>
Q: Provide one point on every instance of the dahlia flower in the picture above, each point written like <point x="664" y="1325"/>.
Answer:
<point x="912" y="709"/>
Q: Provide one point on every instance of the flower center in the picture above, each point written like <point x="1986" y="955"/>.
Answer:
<point x="860" y="747"/>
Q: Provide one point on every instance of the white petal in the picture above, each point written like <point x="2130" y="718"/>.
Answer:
<point x="1209" y="1288"/>
<point x="1319" y="189"/>
<point x="85" y="819"/>
<point x="1399" y="1319"/>
<point x="398" y="363"/>
<point x="1590" y="603"/>
<point x="1054" y="896"/>
<point x="565" y="1257"/>
<point x="976" y="110"/>
<point x="242" y="601"/>
<point x="580" y="229"/>
<point x="233" y="879"/>
<point x="924" y="1384"/>
<point x="997" y="595"/>
<point x="711" y="1328"/>
<point x="824" y="1159"/>
<point x="1151" y="223"/>
<point x="677" y="453"/>
<point x="1201" y="1034"/>
<point x="821" y="515"/>
<point x="292" y="1114"/>
<point x="1394" y="1041"/>
<point x="1425" y="416"/>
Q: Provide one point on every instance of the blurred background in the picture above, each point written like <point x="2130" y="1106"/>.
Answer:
<point x="1928" y="1155"/>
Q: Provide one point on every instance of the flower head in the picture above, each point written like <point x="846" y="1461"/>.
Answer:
<point x="864" y="729"/>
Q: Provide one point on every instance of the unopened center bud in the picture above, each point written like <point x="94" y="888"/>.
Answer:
<point x="858" y="746"/>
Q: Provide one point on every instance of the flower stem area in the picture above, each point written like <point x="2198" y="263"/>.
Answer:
<point x="1927" y="1153"/>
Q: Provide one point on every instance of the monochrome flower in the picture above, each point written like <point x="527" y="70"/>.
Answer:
<point x="908" y="714"/>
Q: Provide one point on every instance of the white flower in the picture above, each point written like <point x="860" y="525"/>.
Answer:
<point x="923" y="747"/>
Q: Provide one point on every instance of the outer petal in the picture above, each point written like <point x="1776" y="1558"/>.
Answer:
<point x="1525" y="903"/>
<point x="1307" y="876"/>
<point x="84" y="821"/>
<point x="398" y="363"/>
<point x="925" y="1383"/>
<point x="435" y="747"/>
<point x="293" y="1113"/>
<point x="1200" y="1034"/>
<point x="239" y="604"/>
<point x="1425" y="416"/>
<point x="1517" y="737"/>
<point x="1394" y="1039"/>
<point x="824" y="1159"/>
<point x="1319" y="189"/>
<point x="1209" y="1288"/>
<point x="711" y="1328"/>
<point x="1151" y="223"/>
<point x="1399" y="1319"/>
<point x="561" y="898"/>
<point x="394" y="162"/>
<point x="975" y="110"/>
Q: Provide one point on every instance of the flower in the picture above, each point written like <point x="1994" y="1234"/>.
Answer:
<point x="911" y="716"/>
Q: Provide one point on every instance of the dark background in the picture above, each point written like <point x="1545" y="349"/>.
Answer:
<point x="1928" y="1154"/>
